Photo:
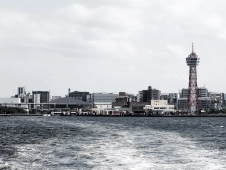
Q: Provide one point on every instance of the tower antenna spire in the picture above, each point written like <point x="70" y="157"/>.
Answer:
<point x="192" y="47"/>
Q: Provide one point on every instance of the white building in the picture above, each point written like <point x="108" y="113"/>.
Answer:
<point x="101" y="106"/>
<point x="159" y="102"/>
<point x="37" y="98"/>
<point x="10" y="100"/>
<point x="159" y="109"/>
<point x="13" y="102"/>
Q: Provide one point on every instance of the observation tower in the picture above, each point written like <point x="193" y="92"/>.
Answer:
<point x="193" y="102"/>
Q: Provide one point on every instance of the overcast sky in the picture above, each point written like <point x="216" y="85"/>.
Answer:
<point x="110" y="45"/>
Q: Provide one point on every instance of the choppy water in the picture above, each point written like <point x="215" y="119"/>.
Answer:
<point x="104" y="143"/>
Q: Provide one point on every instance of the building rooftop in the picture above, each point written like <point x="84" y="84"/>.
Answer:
<point x="69" y="100"/>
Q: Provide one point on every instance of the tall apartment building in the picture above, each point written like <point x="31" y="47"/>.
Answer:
<point x="21" y="91"/>
<point x="37" y="100"/>
<point x="44" y="96"/>
<point x="148" y="95"/>
<point x="145" y="95"/>
<point x="156" y="94"/>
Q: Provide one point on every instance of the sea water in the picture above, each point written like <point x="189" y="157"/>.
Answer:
<point x="105" y="143"/>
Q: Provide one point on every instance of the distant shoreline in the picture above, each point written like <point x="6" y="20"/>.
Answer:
<point x="207" y="115"/>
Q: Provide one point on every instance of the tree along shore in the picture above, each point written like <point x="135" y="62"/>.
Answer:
<point x="12" y="110"/>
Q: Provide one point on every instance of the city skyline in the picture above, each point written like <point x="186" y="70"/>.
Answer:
<point x="110" y="46"/>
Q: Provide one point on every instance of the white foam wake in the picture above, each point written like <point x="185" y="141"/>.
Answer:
<point x="116" y="146"/>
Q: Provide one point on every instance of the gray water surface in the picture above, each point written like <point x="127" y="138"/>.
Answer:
<point x="104" y="143"/>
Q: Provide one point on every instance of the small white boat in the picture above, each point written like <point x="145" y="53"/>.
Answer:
<point x="47" y="115"/>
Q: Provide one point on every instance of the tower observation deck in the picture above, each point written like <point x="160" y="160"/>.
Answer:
<point x="193" y="102"/>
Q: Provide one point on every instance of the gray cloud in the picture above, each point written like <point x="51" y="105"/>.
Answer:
<point x="110" y="45"/>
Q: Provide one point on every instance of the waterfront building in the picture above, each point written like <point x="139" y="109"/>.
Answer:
<point x="9" y="100"/>
<point x="148" y="95"/>
<point x="102" y="101"/>
<point x="138" y="107"/>
<point x="159" y="102"/>
<point x="119" y="104"/>
<point x="159" y="109"/>
<point x="202" y="92"/>
<point x="205" y="103"/>
<point x="66" y="103"/>
<point x="207" y="100"/>
<point x="102" y="106"/>
<point x="13" y="102"/>
<point x="104" y="97"/>
<point x="135" y="107"/>
<point x="99" y="107"/>
<point x="83" y="96"/>
<point x="44" y="96"/>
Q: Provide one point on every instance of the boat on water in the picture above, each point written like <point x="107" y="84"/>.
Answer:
<point x="47" y="115"/>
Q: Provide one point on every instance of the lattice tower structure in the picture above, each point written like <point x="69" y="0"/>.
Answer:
<point x="193" y="102"/>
